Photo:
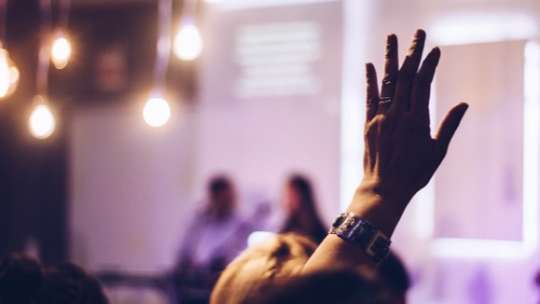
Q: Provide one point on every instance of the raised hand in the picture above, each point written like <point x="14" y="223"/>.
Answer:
<point x="400" y="154"/>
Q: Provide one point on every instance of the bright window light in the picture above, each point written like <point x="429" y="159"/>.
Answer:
<point x="476" y="248"/>
<point x="481" y="27"/>
<point x="245" y="4"/>
<point x="357" y="18"/>
<point x="531" y="150"/>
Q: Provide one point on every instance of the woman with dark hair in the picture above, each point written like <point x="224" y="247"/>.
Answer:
<point x="301" y="207"/>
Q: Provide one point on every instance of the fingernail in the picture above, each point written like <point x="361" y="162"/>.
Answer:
<point x="435" y="54"/>
<point x="463" y="107"/>
<point x="389" y="43"/>
<point x="418" y="35"/>
<point x="368" y="67"/>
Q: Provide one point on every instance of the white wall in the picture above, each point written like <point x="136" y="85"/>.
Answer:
<point x="264" y="133"/>
<point x="130" y="188"/>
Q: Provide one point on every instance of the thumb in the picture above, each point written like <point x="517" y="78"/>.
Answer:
<point x="449" y="126"/>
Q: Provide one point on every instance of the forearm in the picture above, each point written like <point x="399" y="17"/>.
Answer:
<point x="370" y="205"/>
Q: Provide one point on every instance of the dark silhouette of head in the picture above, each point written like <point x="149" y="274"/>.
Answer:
<point x="69" y="284"/>
<point x="301" y="209"/>
<point x="221" y="197"/>
<point x="20" y="279"/>
<point x="394" y="275"/>
<point x="260" y="267"/>
<point x="25" y="281"/>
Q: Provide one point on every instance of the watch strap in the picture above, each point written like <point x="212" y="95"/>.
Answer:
<point x="353" y="229"/>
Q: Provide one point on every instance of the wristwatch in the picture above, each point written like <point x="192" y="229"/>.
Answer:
<point x="353" y="229"/>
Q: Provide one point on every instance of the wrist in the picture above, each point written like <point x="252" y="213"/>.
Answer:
<point x="378" y="207"/>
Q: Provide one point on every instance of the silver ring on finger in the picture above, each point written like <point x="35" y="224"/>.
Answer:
<point x="385" y="100"/>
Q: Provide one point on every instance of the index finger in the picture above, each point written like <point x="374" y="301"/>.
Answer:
<point x="372" y="92"/>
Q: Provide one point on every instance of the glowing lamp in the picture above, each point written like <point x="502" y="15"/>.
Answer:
<point x="188" y="43"/>
<point x="41" y="122"/>
<point x="9" y="74"/>
<point x="156" y="112"/>
<point x="60" y="51"/>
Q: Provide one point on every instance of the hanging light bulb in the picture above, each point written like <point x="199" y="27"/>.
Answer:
<point x="60" y="51"/>
<point x="156" y="111"/>
<point x="9" y="74"/>
<point x="188" y="43"/>
<point x="42" y="122"/>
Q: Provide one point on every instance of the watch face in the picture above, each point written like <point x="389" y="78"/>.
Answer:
<point x="353" y="229"/>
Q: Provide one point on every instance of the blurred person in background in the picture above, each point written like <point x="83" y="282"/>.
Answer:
<point x="301" y="209"/>
<point x="69" y="284"/>
<point x="215" y="236"/>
